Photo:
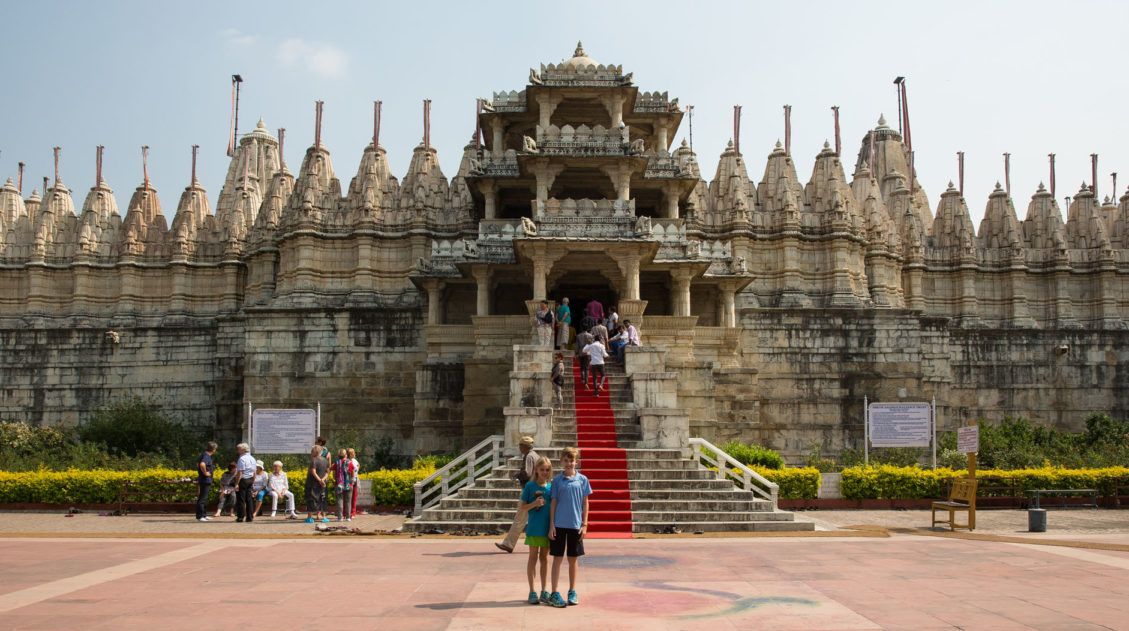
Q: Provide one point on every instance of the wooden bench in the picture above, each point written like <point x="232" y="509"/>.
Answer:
<point x="165" y="492"/>
<point x="1037" y="494"/>
<point x="962" y="497"/>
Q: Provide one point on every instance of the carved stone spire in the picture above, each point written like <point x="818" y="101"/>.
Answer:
<point x="731" y="193"/>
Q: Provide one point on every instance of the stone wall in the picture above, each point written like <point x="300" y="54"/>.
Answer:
<point x="360" y="364"/>
<point x="58" y="374"/>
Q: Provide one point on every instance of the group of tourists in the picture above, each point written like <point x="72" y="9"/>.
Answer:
<point x="554" y="515"/>
<point x="598" y="338"/>
<point x="245" y="486"/>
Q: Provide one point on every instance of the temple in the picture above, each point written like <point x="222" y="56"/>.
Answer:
<point x="768" y="309"/>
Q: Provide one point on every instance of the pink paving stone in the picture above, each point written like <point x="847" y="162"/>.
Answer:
<point x="897" y="583"/>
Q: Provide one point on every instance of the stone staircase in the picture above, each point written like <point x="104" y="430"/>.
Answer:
<point x="635" y="489"/>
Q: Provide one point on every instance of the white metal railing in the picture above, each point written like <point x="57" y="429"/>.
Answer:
<point x="730" y="468"/>
<point x="459" y="473"/>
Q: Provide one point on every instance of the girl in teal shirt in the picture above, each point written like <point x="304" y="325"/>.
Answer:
<point x="535" y="501"/>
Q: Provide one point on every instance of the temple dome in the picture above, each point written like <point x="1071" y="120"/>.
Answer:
<point x="579" y="58"/>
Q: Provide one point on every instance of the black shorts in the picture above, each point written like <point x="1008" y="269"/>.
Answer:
<point x="567" y="538"/>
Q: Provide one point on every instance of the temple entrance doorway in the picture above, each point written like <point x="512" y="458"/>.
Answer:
<point x="580" y="292"/>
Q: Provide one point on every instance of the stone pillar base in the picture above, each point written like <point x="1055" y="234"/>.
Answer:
<point x="664" y="429"/>
<point x="528" y="421"/>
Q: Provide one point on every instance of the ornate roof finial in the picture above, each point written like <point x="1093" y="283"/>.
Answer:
<point x="998" y="188"/>
<point x="145" y="164"/>
<point x="1041" y="189"/>
<point x="882" y="121"/>
<point x="951" y="187"/>
<point x="579" y="50"/>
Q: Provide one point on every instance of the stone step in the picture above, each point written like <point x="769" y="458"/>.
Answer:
<point x="723" y="526"/>
<point x="706" y="484"/>
<point x="459" y="502"/>
<point x="633" y="455"/>
<point x="512" y="492"/>
<point x="497" y="514"/>
<point x="638" y="527"/>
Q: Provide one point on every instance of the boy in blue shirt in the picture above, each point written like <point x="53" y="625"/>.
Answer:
<point x="568" y="522"/>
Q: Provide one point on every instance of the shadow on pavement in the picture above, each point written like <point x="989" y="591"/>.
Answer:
<point x="490" y="604"/>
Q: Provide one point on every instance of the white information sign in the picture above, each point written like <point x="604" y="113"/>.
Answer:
<point x="968" y="439"/>
<point x="900" y="424"/>
<point x="283" y="431"/>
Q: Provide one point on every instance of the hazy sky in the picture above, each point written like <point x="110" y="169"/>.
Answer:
<point x="983" y="77"/>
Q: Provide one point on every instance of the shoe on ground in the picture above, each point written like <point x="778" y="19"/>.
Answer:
<point x="503" y="547"/>
<point x="325" y="520"/>
<point x="309" y="520"/>
<point x="348" y="519"/>
<point x="556" y="600"/>
<point x="532" y="598"/>
<point x="572" y="599"/>
<point x="239" y="520"/>
<point x="273" y="513"/>
<point x="544" y="598"/>
<point x="202" y="519"/>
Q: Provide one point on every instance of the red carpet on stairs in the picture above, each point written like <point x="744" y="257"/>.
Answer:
<point x="603" y="461"/>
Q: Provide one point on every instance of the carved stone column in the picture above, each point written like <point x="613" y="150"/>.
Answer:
<point x="434" y="288"/>
<point x="614" y="104"/>
<point x="546" y="105"/>
<point x="620" y="176"/>
<point x="489" y="189"/>
<point x="498" y="146"/>
<point x="670" y="196"/>
<point x="482" y="278"/>
<point x="546" y="174"/>
<point x="680" y="291"/>
<point x="540" y="274"/>
<point x="727" y="316"/>
<point x="629" y="266"/>
<point x="661" y="135"/>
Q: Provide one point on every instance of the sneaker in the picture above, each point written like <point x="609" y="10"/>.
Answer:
<point x="309" y="520"/>
<point x="544" y="598"/>
<point x="532" y="598"/>
<point x="503" y="547"/>
<point x="348" y="519"/>
<point x="597" y="393"/>
<point x="572" y="599"/>
<point x="202" y="519"/>
<point x="556" y="600"/>
<point x="325" y="520"/>
<point x="272" y="513"/>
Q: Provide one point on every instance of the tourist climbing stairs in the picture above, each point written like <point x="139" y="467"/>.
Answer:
<point x="635" y="490"/>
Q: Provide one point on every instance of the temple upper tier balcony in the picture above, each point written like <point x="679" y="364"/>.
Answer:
<point x="495" y="166"/>
<point x="584" y="208"/>
<point x="655" y="103"/>
<point x="584" y="141"/>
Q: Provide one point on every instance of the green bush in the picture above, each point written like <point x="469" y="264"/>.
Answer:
<point x="130" y="427"/>
<point x="754" y="455"/>
<point x="890" y="482"/>
<point x="1017" y="443"/>
<point x="795" y="482"/>
<point x="389" y="487"/>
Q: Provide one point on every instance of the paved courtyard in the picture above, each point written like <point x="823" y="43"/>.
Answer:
<point x="902" y="581"/>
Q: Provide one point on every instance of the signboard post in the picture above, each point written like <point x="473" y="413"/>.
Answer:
<point x="900" y="424"/>
<point x="276" y="431"/>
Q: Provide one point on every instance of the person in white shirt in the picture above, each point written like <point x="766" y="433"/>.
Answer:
<point x="356" y="476"/>
<point x="596" y="355"/>
<point x="279" y="486"/>
<point x="628" y="336"/>
<point x="259" y="485"/>
<point x="245" y="474"/>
